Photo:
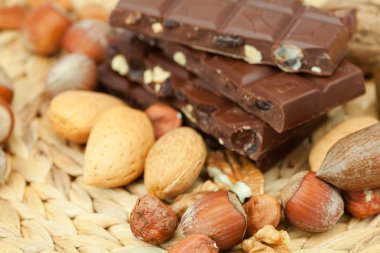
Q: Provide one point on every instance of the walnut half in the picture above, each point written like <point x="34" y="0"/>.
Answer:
<point x="267" y="240"/>
<point x="236" y="173"/>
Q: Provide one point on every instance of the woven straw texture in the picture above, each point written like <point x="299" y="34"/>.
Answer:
<point x="45" y="207"/>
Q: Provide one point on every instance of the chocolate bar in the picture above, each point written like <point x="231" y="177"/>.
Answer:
<point x="287" y="34"/>
<point x="215" y="115"/>
<point x="118" y="85"/>
<point x="281" y="99"/>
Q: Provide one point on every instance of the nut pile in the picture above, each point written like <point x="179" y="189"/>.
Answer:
<point x="228" y="207"/>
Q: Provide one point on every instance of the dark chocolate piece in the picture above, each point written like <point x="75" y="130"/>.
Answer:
<point x="287" y="34"/>
<point x="236" y="129"/>
<point x="121" y="87"/>
<point x="281" y="99"/>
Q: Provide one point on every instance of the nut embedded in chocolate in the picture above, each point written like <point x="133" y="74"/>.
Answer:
<point x="289" y="58"/>
<point x="133" y="18"/>
<point x="226" y="40"/>
<point x="170" y="24"/>
<point x="120" y="65"/>
<point x="263" y="105"/>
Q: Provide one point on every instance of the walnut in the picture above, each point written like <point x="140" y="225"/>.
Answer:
<point x="267" y="240"/>
<point x="235" y="172"/>
<point x="208" y="186"/>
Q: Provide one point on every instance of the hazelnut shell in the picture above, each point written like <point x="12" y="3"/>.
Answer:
<point x="152" y="221"/>
<point x="261" y="210"/>
<point x="220" y="216"/>
<point x="44" y="28"/>
<point x="195" y="244"/>
<point x="311" y="204"/>
<point x="88" y="37"/>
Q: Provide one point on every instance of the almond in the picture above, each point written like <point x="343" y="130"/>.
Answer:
<point x="174" y="162"/>
<point x="73" y="113"/>
<point x="353" y="163"/>
<point x="12" y="17"/>
<point x="117" y="147"/>
<point x="321" y="147"/>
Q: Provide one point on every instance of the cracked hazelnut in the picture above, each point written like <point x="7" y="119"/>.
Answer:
<point x="363" y="204"/>
<point x="195" y="244"/>
<point x="311" y="204"/>
<point x="261" y="210"/>
<point x="164" y="118"/>
<point x="152" y="221"/>
<point x="44" y="28"/>
<point x="220" y="216"/>
<point x="88" y="37"/>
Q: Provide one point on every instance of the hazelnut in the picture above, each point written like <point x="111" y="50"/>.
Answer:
<point x="261" y="210"/>
<point x="164" y="118"/>
<point x="310" y="203"/>
<point x="195" y="244"/>
<point x="89" y="37"/>
<point x="44" y="28"/>
<point x="220" y="216"/>
<point x="92" y="11"/>
<point x="363" y="204"/>
<point x="72" y="72"/>
<point x="152" y="221"/>
<point x="12" y="17"/>
<point x="66" y="4"/>
<point x="6" y="121"/>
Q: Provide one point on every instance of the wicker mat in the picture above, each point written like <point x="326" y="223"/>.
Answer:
<point x="45" y="207"/>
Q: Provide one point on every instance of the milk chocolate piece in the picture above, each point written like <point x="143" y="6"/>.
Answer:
<point x="118" y="85"/>
<point x="287" y="34"/>
<point x="281" y="99"/>
<point x="215" y="115"/>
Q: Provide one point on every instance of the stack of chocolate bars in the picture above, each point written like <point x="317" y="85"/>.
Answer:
<point x="257" y="75"/>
